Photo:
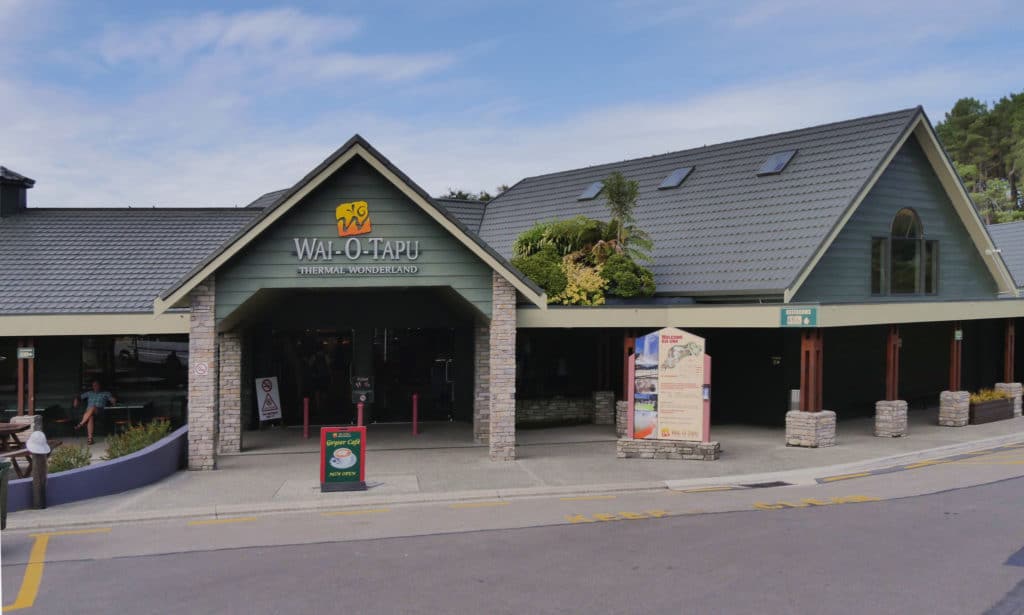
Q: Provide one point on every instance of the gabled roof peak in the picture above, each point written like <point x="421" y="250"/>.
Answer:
<point x="8" y="176"/>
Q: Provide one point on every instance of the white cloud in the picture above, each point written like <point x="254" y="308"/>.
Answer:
<point x="93" y="155"/>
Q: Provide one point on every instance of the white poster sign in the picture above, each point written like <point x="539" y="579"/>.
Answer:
<point x="268" y="398"/>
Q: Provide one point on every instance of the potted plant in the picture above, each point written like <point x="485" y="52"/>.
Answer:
<point x="989" y="405"/>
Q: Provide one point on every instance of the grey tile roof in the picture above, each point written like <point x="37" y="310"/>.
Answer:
<point x="470" y="213"/>
<point x="104" y="260"/>
<point x="1009" y="238"/>
<point x="724" y="230"/>
<point x="268" y="199"/>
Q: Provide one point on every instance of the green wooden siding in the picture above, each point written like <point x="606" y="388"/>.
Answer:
<point x="270" y="261"/>
<point x="843" y="275"/>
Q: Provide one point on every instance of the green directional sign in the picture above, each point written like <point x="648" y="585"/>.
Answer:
<point x="799" y="317"/>
<point x="342" y="458"/>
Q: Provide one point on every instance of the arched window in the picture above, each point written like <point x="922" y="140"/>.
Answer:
<point x="904" y="263"/>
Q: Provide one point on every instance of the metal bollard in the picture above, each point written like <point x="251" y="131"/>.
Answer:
<point x="359" y="414"/>
<point x="415" y="414"/>
<point x="39" y="449"/>
<point x="305" y="418"/>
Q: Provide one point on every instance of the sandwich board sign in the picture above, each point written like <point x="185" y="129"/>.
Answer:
<point x="268" y="398"/>
<point x="342" y="459"/>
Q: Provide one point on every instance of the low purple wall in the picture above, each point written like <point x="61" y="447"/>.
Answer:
<point x="155" y="462"/>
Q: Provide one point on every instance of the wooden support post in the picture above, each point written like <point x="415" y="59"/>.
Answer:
<point x="955" y="357"/>
<point x="628" y="345"/>
<point x="811" y="370"/>
<point x="892" y="364"/>
<point x="32" y="379"/>
<point x="21" y="381"/>
<point x="38" y="481"/>
<point x="1009" y="351"/>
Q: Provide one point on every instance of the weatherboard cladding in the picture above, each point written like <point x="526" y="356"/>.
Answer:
<point x="724" y="230"/>
<point x="843" y="274"/>
<point x="1009" y="238"/>
<point x="92" y="261"/>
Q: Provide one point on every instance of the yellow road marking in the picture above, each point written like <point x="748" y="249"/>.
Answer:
<point x="585" y="498"/>
<point x="95" y="530"/>
<point x="706" y="489"/>
<point x="367" y="511"/>
<point x="921" y="464"/>
<point x="221" y="521"/>
<point x="622" y="516"/>
<point x="989" y="463"/>
<point x="808" y="502"/>
<point x="845" y="477"/>
<point x="29" y="589"/>
<point x="477" y="504"/>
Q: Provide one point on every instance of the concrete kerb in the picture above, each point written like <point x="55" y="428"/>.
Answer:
<point x="367" y="499"/>
<point x="809" y="476"/>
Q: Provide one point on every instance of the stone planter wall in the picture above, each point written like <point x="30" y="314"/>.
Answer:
<point x="954" y="408"/>
<point x="1016" y="391"/>
<point x="891" y="418"/>
<point x="811" y="429"/>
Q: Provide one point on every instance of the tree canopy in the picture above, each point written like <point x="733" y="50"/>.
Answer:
<point x="465" y="195"/>
<point x="986" y="143"/>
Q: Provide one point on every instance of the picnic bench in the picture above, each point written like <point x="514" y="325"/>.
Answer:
<point x="12" y="448"/>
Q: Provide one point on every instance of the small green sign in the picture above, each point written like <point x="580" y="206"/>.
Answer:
<point x="342" y="458"/>
<point x="799" y="317"/>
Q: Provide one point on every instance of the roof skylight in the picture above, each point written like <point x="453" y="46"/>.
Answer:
<point x="591" y="192"/>
<point x="776" y="162"/>
<point x="675" y="178"/>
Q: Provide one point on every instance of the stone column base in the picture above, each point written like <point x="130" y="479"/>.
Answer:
<point x="954" y="408"/>
<point x="891" y="418"/>
<point x="1016" y="391"/>
<point x="35" y="420"/>
<point x="811" y="429"/>
<point x="667" y="449"/>
<point x="621" y="418"/>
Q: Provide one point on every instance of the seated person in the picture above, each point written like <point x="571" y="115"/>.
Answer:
<point x="97" y="400"/>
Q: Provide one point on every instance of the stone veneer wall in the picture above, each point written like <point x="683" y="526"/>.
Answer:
<point x="667" y="449"/>
<point x="1016" y="391"/>
<point x="954" y="408"/>
<point x="202" y="378"/>
<point x="891" y="418"/>
<point x="604" y="407"/>
<point x="502" y="376"/>
<point x="481" y="384"/>
<point x="621" y="418"/>
<point x="554" y="410"/>
<point x="230" y="393"/>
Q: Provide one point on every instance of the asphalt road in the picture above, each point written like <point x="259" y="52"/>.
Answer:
<point x="828" y="548"/>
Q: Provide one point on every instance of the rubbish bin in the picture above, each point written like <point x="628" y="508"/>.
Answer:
<point x="5" y="475"/>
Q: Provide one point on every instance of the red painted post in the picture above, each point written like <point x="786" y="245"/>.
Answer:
<point x="305" y="418"/>
<point x="707" y="401"/>
<point x="415" y="414"/>
<point x="21" y="382"/>
<point x="32" y="378"/>
<point x="630" y="375"/>
<point x="359" y="414"/>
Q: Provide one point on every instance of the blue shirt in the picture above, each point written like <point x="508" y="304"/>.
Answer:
<point x="98" y="400"/>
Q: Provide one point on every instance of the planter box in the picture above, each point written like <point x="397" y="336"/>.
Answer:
<point x="989" y="411"/>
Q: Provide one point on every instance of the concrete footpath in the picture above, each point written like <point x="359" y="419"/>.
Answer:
<point x="279" y="473"/>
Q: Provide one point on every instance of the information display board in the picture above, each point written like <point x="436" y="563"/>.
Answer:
<point x="671" y="388"/>
<point x="342" y="459"/>
<point x="362" y="389"/>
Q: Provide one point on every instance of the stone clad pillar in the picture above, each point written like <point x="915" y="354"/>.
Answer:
<point x="954" y="408"/>
<point x="1015" y="391"/>
<point x="604" y="407"/>
<point x="891" y="418"/>
<point x="202" y="378"/>
<point x="502" y="361"/>
<point x="230" y="393"/>
<point x="481" y="384"/>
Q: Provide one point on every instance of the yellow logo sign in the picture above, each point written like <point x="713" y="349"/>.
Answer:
<point x="353" y="219"/>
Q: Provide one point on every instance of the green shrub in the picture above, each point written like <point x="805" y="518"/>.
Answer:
<point x="626" y="278"/>
<point x="136" y="439"/>
<point x="545" y="268"/>
<point x="68" y="457"/>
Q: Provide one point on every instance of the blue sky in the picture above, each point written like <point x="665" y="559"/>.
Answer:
<point x="199" y="103"/>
